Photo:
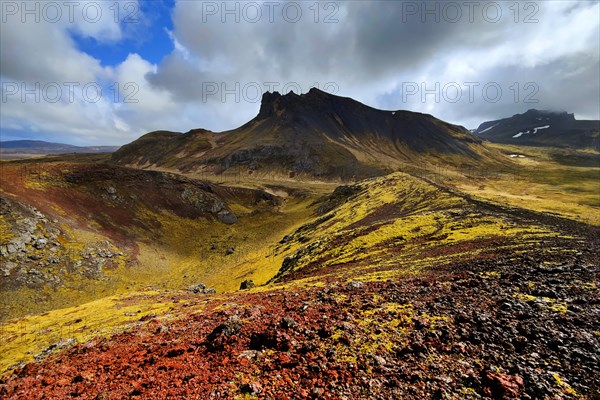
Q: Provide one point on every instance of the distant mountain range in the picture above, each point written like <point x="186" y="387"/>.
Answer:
<point x="542" y="128"/>
<point x="317" y="134"/>
<point x="39" y="147"/>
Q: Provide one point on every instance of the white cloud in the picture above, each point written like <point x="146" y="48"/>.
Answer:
<point x="42" y="52"/>
<point x="371" y="53"/>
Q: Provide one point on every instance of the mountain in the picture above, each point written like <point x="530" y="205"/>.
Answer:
<point x="316" y="134"/>
<point x="542" y="128"/>
<point x="40" y="147"/>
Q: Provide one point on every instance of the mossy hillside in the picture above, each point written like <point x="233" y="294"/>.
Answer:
<point x="397" y="225"/>
<point x="541" y="182"/>
<point x="398" y="220"/>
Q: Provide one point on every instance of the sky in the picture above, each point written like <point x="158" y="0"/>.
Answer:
<point x="106" y="72"/>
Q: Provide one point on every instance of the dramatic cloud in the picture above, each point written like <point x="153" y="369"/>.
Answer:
<point x="464" y="62"/>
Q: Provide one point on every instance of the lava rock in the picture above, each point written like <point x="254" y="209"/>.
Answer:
<point x="227" y="217"/>
<point x="355" y="285"/>
<point x="229" y="328"/>
<point x="288" y="323"/>
<point x="201" y="288"/>
<point x="247" y="284"/>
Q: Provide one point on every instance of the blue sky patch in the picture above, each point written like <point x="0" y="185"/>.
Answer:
<point x="145" y="33"/>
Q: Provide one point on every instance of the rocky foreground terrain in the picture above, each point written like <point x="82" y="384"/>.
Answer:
<point x="512" y="326"/>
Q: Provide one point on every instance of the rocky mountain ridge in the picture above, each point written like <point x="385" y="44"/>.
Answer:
<point x="543" y="128"/>
<point x="316" y="134"/>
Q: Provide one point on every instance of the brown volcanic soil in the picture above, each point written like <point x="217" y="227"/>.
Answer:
<point x="515" y="326"/>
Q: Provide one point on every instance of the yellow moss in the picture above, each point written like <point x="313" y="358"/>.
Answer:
<point x="399" y="231"/>
<point x="393" y="319"/>
<point x="554" y="304"/>
<point x="415" y="218"/>
<point x="585" y="285"/>
<point x="541" y="184"/>
<point x="345" y="358"/>
<point x="245" y="396"/>
<point x="525" y="297"/>
<point x="340" y="297"/>
<point x="5" y="231"/>
<point x="564" y="385"/>
<point x="490" y="274"/>
<point x="559" y="308"/>
<point x="23" y="338"/>
<point x="468" y="393"/>
<point x="183" y="260"/>
<point x="433" y="320"/>
<point x="36" y="181"/>
<point x="58" y="210"/>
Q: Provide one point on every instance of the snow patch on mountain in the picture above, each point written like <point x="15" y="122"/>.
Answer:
<point x="540" y="128"/>
<point x="487" y="129"/>
<point x="535" y="130"/>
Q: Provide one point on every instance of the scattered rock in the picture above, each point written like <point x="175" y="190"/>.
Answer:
<point x="40" y="243"/>
<point x="285" y="239"/>
<point x="227" y="217"/>
<point x="217" y="206"/>
<point x="500" y="386"/>
<point x="227" y="329"/>
<point x="355" y="285"/>
<point x="201" y="288"/>
<point x="247" y="284"/>
<point x="175" y="352"/>
<point x="252" y="388"/>
<point x="197" y="288"/>
<point x="379" y="361"/>
<point x="288" y="323"/>
<point x="148" y="317"/>
<point x="249" y="354"/>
